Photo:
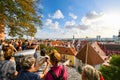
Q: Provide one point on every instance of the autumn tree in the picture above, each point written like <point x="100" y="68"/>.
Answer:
<point x="19" y="17"/>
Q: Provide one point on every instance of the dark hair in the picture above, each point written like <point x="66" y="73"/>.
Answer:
<point x="43" y="52"/>
<point x="7" y="54"/>
<point x="5" y="47"/>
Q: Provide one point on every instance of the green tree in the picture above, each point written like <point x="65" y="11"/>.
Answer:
<point x="112" y="72"/>
<point x="19" y="17"/>
<point x="47" y="48"/>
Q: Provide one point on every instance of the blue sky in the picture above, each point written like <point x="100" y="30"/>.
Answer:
<point x="81" y="18"/>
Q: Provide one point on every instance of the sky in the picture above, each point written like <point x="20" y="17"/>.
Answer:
<point x="81" y="18"/>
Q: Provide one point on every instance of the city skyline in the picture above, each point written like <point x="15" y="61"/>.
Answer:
<point x="81" y="18"/>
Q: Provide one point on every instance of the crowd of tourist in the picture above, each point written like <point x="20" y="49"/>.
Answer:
<point x="53" y="70"/>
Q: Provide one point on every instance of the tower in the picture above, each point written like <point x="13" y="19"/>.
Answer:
<point x="73" y="39"/>
<point x="98" y="38"/>
<point x="119" y="34"/>
<point x="119" y="37"/>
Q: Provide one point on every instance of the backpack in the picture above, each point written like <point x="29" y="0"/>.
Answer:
<point x="60" y="77"/>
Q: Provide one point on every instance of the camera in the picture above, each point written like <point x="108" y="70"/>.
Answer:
<point x="47" y="57"/>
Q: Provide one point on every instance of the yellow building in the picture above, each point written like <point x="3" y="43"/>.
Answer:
<point x="71" y="59"/>
<point x="67" y="53"/>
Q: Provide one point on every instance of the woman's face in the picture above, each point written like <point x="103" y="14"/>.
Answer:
<point x="52" y="62"/>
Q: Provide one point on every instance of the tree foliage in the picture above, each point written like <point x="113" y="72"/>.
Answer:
<point x="20" y="16"/>
<point x="47" y="48"/>
<point x="112" y="72"/>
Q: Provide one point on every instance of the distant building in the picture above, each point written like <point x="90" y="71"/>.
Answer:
<point x="67" y="53"/>
<point x="109" y="48"/>
<point x="115" y="38"/>
<point x="119" y="37"/>
<point x="98" y="38"/>
<point x="73" y="38"/>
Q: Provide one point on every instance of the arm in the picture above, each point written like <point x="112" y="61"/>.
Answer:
<point x="40" y="64"/>
<point x="36" y="47"/>
<point x="15" y="73"/>
<point x="45" y="70"/>
<point x="13" y="47"/>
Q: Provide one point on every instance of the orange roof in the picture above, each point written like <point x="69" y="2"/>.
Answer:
<point x="66" y="50"/>
<point x="84" y="42"/>
<point x="98" y="49"/>
<point x="88" y="53"/>
<point x="53" y="43"/>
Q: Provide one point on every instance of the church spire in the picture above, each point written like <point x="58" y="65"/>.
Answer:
<point x="119" y="34"/>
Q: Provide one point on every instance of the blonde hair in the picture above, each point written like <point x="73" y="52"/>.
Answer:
<point x="55" y="57"/>
<point x="27" y="62"/>
<point x="90" y="73"/>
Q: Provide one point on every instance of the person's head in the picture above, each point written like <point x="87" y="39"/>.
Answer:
<point x="90" y="73"/>
<point x="19" y="49"/>
<point x="55" y="57"/>
<point x="43" y="52"/>
<point x="28" y="63"/>
<point x="7" y="51"/>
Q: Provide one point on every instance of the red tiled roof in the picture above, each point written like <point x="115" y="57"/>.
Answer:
<point x="84" y="42"/>
<point x="53" y="43"/>
<point x="66" y="50"/>
<point x="98" y="49"/>
<point x="92" y="58"/>
<point x="112" y="47"/>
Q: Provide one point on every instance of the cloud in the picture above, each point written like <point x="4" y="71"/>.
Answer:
<point x="91" y="25"/>
<point x="51" y="25"/>
<point x="100" y="23"/>
<point x="83" y="27"/>
<point x="70" y="24"/>
<point x="72" y="15"/>
<point x="93" y="15"/>
<point x="57" y="15"/>
<point x="48" y="22"/>
<point x="90" y="20"/>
